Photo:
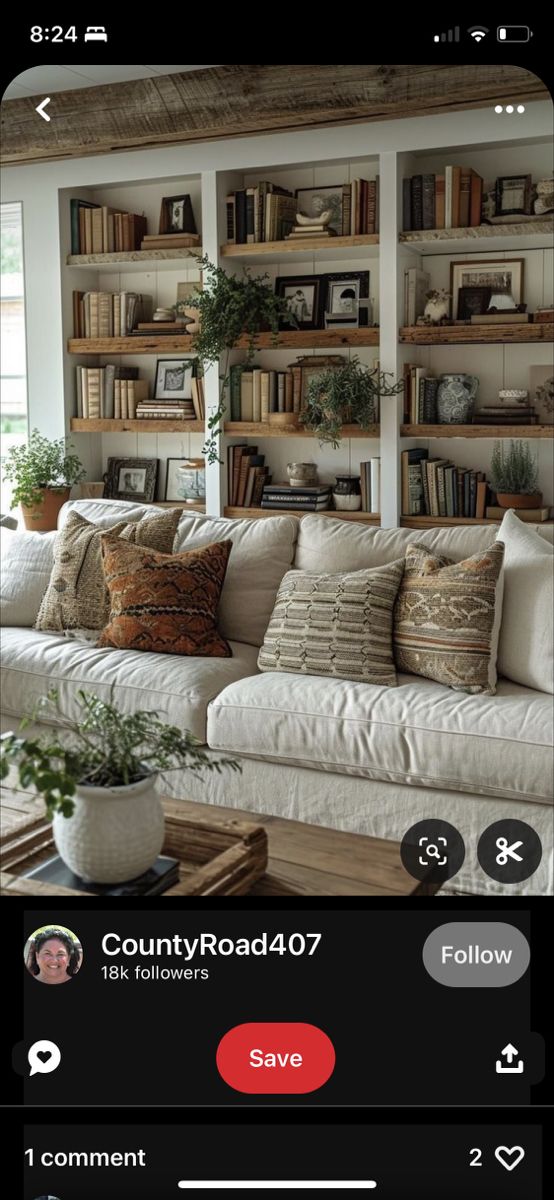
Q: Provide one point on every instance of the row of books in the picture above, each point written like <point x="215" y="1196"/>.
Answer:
<point x="449" y="201"/>
<point x="247" y="476"/>
<point x="264" y="212"/>
<point x="256" y="392"/>
<point x="108" y="314"/>
<point x="105" y="392"/>
<point x="98" y="229"/>
<point x="436" y="487"/>
<point x="420" y="396"/>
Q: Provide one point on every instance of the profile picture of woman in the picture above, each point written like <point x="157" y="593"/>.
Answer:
<point x="53" y="955"/>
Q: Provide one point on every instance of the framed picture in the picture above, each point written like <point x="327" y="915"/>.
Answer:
<point x="176" y="215"/>
<point x="131" y="479"/>
<point x="347" y="294"/>
<point x="174" y="379"/>
<point x="472" y="301"/>
<point x="314" y="201"/>
<point x="504" y="277"/>
<point x="302" y="292"/>
<point x="513" y="195"/>
<point x="186" y="480"/>
<point x="541" y="393"/>
<point x="313" y="365"/>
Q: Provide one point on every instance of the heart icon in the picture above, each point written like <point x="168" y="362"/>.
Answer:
<point x="509" y="1156"/>
<point x="44" y="1055"/>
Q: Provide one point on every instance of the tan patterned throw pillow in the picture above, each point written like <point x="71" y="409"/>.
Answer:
<point x="77" y="596"/>
<point x="166" y="603"/>
<point x="447" y="618"/>
<point x="339" y="625"/>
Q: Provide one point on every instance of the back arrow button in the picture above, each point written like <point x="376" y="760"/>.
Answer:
<point x="40" y="109"/>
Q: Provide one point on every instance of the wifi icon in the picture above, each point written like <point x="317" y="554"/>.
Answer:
<point x="478" y="32"/>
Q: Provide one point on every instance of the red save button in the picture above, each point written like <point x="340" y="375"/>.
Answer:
<point x="275" y="1056"/>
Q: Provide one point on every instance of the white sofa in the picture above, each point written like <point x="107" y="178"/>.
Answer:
<point x="351" y="756"/>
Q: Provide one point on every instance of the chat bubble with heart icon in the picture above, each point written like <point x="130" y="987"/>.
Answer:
<point x="509" y="1156"/>
<point x="43" y="1057"/>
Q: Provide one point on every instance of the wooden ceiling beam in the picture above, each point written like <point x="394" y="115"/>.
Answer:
<point x="234" y="101"/>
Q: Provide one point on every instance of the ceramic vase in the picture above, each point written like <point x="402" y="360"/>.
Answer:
<point x="114" y="834"/>
<point x="455" y="398"/>
<point x="347" y="493"/>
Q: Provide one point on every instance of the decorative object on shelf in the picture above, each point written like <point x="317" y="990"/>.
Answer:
<point x="472" y="301"/>
<point x="302" y="297"/>
<point x="162" y="314"/>
<point x="186" y="480"/>
<point x="322" y="219"/>
<point x="503" y="276"/>
<point x="174" y="379"/>
<point x="342" y="394"/>
<point x="230" y="307"/>
<point x="311" y="227"/>
<point x="98" y="781"/>
<point x="513" y="195"/>
<point x="347" y="493"/>
<point x="43" y="472"/>
<point x="544" y="202"/>
<point x="455" y="398"/>
<point x="315" y="201"/>
<point x="541" y="387"/>
<point x="302" y="474"/>
<point x="515" y="475"/>
<point x="183" y="309"/>
<point x="176" y="215"/>
<point x="511" y="396"/>
<point x="131" y="479"/>
<point x="436" y="308"/>
<point x="313" y="364"/>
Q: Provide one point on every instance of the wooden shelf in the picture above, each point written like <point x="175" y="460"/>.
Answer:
<point x="165" y="344"/>
<point x="257" y="429"/>
<point x="477" y="431"/>
<point x="133" y="259"/>
<point x="105" y="425"/>
<point x="477" y="335"/>
<point x="308" y="339"/>
<point x="524" y="235"/>
<point x="334" y="247"/>
<point x="366" y="518"/>
<point x="436" y="522"/>
<point x="184" y="504"/>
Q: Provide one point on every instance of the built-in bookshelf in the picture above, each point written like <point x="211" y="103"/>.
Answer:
<point x="130" y="260"/>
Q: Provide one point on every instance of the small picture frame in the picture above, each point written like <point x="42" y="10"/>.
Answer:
<point x="504" y="277"/>
<point x="186" y="480"/>
<point x="303" y="295"/>
<point x="176" y="215"/>
<point x="472" y="301"/>
<point x="313" y="201"/>
<point x="313" y="365"/>
<point x="513" y="195"/>
<point x="338" y="288"/>
<point x="174" y="379"/>
<point x="131" y="479"/>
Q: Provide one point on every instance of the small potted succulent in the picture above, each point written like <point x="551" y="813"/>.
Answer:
<point x="43" y="472"/>
<point x="515" y="475"/>
<point x="345" y="394"/>
<point x="97" y="775"/>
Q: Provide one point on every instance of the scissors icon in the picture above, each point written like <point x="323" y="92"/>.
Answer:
<point x="432" y="851"/>
<point x="507" y="851"/>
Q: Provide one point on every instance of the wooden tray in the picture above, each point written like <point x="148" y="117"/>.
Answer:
<point x="220" y="856"/>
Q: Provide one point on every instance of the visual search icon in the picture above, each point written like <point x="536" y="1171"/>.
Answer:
<point x="478" y="32"/>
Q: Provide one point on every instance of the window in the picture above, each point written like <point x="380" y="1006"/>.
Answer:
<point x="13" y="368"/>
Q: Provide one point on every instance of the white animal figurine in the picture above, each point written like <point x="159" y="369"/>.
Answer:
<point x="436" y="309"/>
<point x="322" y="218"/>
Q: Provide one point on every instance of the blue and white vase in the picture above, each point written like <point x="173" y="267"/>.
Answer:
<point x="455" y="398"/>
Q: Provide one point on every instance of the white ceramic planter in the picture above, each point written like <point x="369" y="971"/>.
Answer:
<point x="114" y="833"/>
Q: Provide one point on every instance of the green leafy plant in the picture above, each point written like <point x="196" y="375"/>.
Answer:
<point x="514" y="471"/>
<point x="231" y="307"/>
<point x="345" y="394"/>
<point x="41" y="464"/>
<point x="102" y="748"/>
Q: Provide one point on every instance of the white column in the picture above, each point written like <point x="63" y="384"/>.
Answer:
<point x="390" y="189"/>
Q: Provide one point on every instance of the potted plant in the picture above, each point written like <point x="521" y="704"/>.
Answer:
<point x="345" y="394"/>
<point x="515" y="475"/>
<point x="97" y="779"/>
<point x="231" y="307"/>
<point x="43" y="472"/>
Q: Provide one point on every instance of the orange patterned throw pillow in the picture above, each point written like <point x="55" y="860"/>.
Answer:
<point x="166" y="603"/>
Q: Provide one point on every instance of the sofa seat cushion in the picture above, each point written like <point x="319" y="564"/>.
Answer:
<point x="178" y="689"/>
<point x="420" y="732"/>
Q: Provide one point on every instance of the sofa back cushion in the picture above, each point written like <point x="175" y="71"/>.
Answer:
<point x="263" y="551"/>
<point x="27" y="561"/>
<point x="526" y="649"/>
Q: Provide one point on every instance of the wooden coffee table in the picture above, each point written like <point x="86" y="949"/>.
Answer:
<point x="304" y="860"/>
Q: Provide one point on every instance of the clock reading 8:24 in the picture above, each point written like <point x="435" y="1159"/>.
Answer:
<point x="40" y="33"/>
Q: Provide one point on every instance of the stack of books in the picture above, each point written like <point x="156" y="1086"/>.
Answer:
<point x="310" y="231"/>
<point x="309" y="499"/>
<point x="506" y="414"/>
<point x="163" y="874"/>
<point x="169" y="241"/>
<point x="158" y="328"/>
<point x="168" y="410"/>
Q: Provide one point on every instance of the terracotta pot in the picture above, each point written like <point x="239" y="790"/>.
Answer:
<point x="506" y="500"/>
<point x="44" y="517"/>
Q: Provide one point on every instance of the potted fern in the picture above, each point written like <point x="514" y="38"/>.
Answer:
<point x="44" y="472"/>
<point x="515" y="475"/>
<point x="230" y="308"/>
<point x="346" y="394"/>
<point x="97" y="775"/>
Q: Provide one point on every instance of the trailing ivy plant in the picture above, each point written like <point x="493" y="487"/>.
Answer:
<point x="349" y="393"/>
<point x="39" y="464"/>
<point x="514" y="471"/>
<point x="229" y="308"/>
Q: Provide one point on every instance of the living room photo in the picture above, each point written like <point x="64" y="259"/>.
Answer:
<point x="277" y="487"/>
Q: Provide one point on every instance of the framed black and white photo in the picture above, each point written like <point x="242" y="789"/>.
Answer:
<point x="347" y="295"/>
<point x="176" y="215"/>
<point x="174" y="379"/>
<point x="131" y="479"/>
<point x="472" y="301"/>
<point x="302" y="293"/>
<point x="504" y="277"/>
<point x="186" y="480"/>
<point x="315" y="201"/>
<point x="513" y="195"/>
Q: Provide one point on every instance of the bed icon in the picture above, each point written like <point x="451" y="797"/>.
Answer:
<point x="96" y="33"/>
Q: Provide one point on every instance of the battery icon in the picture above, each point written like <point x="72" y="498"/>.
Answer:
<point x="513" y="33"/>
